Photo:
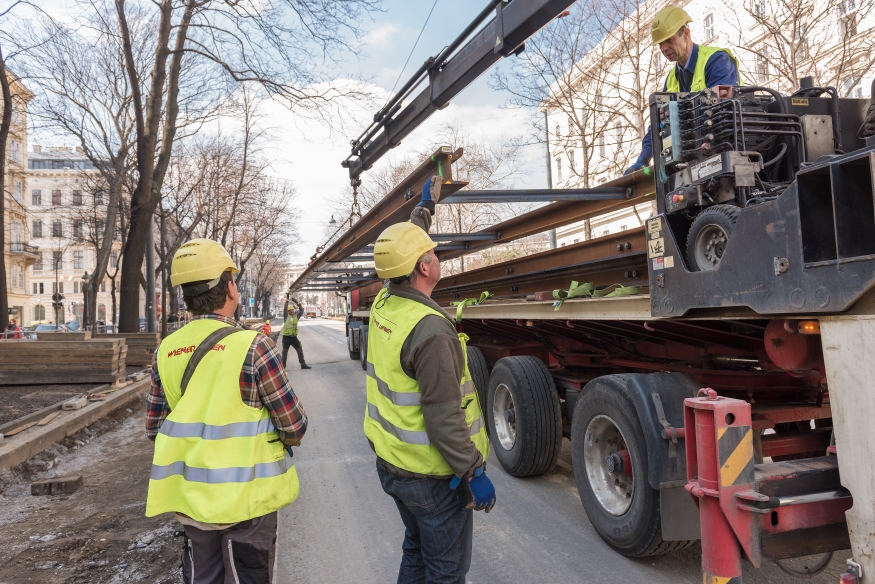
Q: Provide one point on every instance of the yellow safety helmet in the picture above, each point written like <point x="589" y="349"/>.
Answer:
<point x="200" y="260"/>
<point x="667" y="22"/>
<point x="398" y="248"/>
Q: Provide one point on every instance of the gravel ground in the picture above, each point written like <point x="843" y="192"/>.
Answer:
<point x="99" y="533"/>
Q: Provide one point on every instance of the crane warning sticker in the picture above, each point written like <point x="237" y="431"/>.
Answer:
<point x="656" y="247"/>
<point x="711" y="166"/>
<point x="664" y="262"/>
<point x="654" y="226"/>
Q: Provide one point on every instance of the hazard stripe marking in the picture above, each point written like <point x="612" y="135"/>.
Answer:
<point x="708" y="579"/>
<point x="735" y="446"/>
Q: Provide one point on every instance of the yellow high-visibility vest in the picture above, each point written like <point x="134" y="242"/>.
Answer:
<point x="698" y="84"/>
<point x="290" y="326"/>
<point x="216" y="459"/>
<point x="393" y="417"/>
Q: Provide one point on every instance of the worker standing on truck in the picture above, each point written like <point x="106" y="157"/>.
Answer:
<point x="290" y="331"/>
<point x="223" y="456"/>
<point x="702" y="66"/>
<point x="423" y="418"/>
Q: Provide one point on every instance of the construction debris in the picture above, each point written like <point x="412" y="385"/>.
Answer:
<point x="56" y="486"/>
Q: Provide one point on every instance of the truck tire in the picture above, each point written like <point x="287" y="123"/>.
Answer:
<point x="522" y="411"/>
<point x="363" y="348"/>
<point x="709" y="235"/>
<point x="609" y="456"/>
<point x="480" y="376"/>
<point x="350" y="343"/>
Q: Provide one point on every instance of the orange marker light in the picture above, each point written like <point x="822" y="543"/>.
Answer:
<point x="809" y="327"/>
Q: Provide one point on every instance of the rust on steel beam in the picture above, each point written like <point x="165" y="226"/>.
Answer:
<point x="620" y="257"/>
<point x="563" y="213"/>
<point x="393" y="208"/>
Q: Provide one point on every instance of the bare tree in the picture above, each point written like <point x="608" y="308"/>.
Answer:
<point x="824" y="39"/>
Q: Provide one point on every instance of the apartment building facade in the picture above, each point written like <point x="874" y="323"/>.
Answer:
<point x="597" y="114"/>
<point x="66" y="208"/>
<point x="20" y="252"/>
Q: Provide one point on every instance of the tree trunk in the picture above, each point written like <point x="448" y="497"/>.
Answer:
<point x="100" y="268"/>
<point x="164" y="287"/>
<point x="4" y="135"/>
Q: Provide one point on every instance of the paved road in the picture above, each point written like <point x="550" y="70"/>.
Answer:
<point x="344" y="529"/>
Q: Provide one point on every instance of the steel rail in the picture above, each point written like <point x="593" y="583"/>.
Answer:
<point x="538" y="195"/>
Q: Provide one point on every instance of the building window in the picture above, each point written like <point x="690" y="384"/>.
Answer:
<point x="15" y="151"/>
<point x="36" y="197"/>
<point x="853" y="89"/>
<point x="559" y="168"/>
<point x="801" y="39"/>
<point x="58" y="287"/>
<point x="17" y="232"/>
<point x="37" y="228"/>
<point x="623" y="227"/>
<point x="98" y="198"/>
<point x="57" y="228"/>
<point x="77" y="197"/>
<point x="113" y="260"/>
<point x="57" y="260"/>
<point x="39" y="312"/>
<point x="759" y="8"/>
<point x="709" y="27"/>
<point x="17" y="276"/>
<point x="18" y="193"/>
<point x="56" y="197"/>
<point x="763" y="64"/>
<point x="38" y="266"/>
<point x="77" y="228"/>
<point x="101" y="312"/>
<point x="103" y="286"/>
<point x="76" y="287"/>
<point x="78" y="260"/>
<point x="603" y="151"/>
<point x="618" y="132"/>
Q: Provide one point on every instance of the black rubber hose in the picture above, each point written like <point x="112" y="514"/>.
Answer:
<point x="754" y="88"/>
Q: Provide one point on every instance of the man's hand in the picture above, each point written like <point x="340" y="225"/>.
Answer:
<point x="482" y="490"/>
<point x="633" y="168"/>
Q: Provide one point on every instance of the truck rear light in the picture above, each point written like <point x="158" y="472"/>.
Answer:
<point x="848" y="578"/>
<point x="809" y="327"/>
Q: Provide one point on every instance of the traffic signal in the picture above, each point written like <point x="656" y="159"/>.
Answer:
<point x="57" y="297"/>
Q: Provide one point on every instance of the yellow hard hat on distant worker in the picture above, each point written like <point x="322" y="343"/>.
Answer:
<point x="667" y="22"/>
<point x="398" y="248"/>
<point x="200" y="260"/>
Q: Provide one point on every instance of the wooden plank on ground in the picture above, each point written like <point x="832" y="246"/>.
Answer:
<point x="20" y="429"/>
<point x="56" y="485"/>
<point x="47" y="420"/>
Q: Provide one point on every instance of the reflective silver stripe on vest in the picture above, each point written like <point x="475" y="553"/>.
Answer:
<point x="210" y="432"/>
<point x="468" y="388"/>
<point x="408" y="436"/>
<point x="237" y="474"/>
<point x="476" y="426"/>
<point x="399" y="398"/>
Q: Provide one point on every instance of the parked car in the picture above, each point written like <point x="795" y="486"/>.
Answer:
<point x="47" y="327"/>
<point x="73" y="325"/>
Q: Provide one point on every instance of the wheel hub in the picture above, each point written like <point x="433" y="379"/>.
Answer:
<point x="608" y="465"/>
<point x="710" y="245"/>
<point x="504" y="416"/>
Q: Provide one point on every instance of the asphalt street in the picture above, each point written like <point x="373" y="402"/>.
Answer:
<point x="344" y="529"/>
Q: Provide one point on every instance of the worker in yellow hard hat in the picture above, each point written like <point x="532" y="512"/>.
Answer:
<point x="422" y="418"/>
<point x="697" y="67"/>
<point x="223" y="457"/>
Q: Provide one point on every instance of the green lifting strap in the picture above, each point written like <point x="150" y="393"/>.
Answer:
<point x="588" y="290"/>
<point x="461" y="304"/>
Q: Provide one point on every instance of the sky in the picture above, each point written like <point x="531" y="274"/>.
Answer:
<point x="310" y="156"/>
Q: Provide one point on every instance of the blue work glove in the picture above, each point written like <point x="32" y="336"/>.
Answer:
<point x="633" y="168"/>
<point x="289" y="450"/>
<point x="431" y="192"/>
<point x="482" y="490"/>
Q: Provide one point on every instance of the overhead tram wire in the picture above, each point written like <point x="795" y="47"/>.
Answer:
<point x="427" y="18"/>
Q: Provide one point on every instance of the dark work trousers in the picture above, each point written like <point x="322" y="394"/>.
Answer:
<point x="439" y="529"/>
<point x="292" y="340"/>
<point x="242" y="554"/>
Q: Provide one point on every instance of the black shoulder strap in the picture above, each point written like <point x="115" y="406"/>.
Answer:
<point x="202" y="350"/>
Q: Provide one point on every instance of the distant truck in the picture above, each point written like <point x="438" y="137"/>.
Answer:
<point x="312" y="311"/>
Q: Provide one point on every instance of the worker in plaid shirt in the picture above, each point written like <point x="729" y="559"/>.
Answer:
<point x="223" y="440"/>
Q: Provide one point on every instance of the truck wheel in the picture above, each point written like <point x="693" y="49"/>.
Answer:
<point x="363" y="348"/>
<point x="350" y="343"/>
<point x="610" y="463"/>
<point x="522" y="411"/>
<point x="480" y="375"/>
<point x="709" y="235"/>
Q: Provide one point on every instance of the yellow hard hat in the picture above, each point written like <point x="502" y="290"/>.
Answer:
<point x="200" y="260"/>
<point x="398" y="248"/>
<point x="667" y="22"/>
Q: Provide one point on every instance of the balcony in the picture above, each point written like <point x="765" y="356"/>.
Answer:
<point x="24" y="249"/>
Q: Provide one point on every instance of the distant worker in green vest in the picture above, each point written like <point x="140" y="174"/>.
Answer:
<point x="290" y="331"/>
<point x="224" y="419"/>
<point x="697" y="67"/>
<point x="422" y="417"/>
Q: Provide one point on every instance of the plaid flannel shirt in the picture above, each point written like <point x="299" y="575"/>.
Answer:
<point x="263" y="383"/>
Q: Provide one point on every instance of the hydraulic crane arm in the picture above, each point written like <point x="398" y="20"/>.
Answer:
<point x="449" y="73"/>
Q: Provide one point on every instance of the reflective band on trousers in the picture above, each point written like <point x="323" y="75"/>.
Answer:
<point x="406" y="398"/>
<point x="210" y="432"/>
<point x="411" y="436"/>
<point x="237" y="474"/>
